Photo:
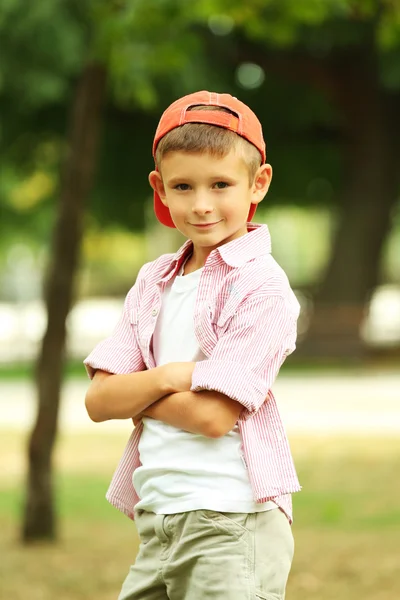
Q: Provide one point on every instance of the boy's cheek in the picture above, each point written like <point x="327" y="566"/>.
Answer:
<point x="177" y="211"/>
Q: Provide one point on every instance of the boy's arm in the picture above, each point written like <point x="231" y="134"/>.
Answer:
<point x="250" y="351"/>
<point x="124" y="396"/>
<point x="208" y="413"/>
<point x="121" y="385"/>
<point x="120" y="352"/>
<point x="235" y="380"/>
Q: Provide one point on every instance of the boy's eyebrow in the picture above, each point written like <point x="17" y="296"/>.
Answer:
<point x="187" y="179"/>
<point x="175" y="180"/>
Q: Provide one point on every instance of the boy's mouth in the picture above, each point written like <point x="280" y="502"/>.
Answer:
<point x="205" y="225"/>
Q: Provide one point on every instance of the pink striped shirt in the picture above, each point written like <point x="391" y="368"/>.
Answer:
<point x="245" y="323"/>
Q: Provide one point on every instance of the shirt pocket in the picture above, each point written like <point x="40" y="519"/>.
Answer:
<point x="229" y="306"/>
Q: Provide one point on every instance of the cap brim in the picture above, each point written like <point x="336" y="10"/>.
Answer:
<point x="253" y="209"/>
<point x="162" y="212"/>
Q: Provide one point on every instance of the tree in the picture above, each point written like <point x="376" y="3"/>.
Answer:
<point x="75" y="184"/>
<point x="76" y="181"/>
<point x="109" y="28"/>
<point x="350" y="58"/>
<point x="347" y="52"/>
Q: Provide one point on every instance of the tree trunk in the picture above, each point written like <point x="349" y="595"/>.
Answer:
<point x="370" y="119"/>
<point x="372" y="158"/>
<point x="76" y="182"/>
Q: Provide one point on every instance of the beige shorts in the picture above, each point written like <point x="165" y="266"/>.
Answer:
<point x="207" y="555"/>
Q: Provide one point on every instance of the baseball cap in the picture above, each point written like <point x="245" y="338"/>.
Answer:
<point x="241" y="119"/>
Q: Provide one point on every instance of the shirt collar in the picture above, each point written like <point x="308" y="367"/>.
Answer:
<point x="257" y="242"/>
<point x="177" y="261"/>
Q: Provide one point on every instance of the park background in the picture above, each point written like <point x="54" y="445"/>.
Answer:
<point x="82" y="86"/>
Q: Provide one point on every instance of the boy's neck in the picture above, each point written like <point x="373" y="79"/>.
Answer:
<point x="192" y="265"/>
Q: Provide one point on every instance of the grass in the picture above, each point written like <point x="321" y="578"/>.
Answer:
<point x="347" y="522"/>
<point x="25" y="370"/>
<point x="294" y="365"/>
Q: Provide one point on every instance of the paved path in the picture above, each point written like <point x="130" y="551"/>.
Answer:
<point x="315" y="403"/>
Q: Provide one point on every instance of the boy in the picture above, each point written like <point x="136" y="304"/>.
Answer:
<point x="207" y="473"/>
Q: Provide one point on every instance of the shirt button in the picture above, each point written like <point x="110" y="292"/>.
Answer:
<point x="154" y="312"/>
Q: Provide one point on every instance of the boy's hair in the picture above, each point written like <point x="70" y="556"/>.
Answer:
<point x="202" y="137"/>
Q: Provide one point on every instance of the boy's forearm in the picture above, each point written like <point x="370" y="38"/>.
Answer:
<point x="123" y="396"/>
<point x="207" y="413"/>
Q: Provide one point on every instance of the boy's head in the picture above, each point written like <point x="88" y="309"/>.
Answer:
<point x="201" y="138"/>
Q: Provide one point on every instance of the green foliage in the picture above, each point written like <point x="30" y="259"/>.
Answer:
<point x="43" y="44"/>
<point x="327" y="23"/>
<point x="155" y="51"/>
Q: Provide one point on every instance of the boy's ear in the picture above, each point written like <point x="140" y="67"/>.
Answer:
<point x="261" y="183"/>
<point x="156" y="183"/>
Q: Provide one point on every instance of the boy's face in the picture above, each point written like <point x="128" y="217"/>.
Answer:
<point x="209" y="198"/>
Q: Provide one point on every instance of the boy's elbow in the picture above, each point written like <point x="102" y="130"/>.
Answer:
<point x="215" y="433"/>
<point x="92" y="406"/>
<point x="225" y="415"/>
<point x="93" y="399"/>
<point x="218" y="428"/>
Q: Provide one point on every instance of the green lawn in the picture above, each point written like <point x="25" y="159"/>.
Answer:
<point x="25" y="370"/>
<point x="295" y="365"/>
<point x="347" y="522"/>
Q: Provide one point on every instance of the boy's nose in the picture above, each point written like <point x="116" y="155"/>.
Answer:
<point x="202" y="205"/>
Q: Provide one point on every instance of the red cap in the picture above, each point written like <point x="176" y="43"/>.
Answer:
<point x="243" y="122"/>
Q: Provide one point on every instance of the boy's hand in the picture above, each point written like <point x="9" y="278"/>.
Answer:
<point x="179" y="375"/>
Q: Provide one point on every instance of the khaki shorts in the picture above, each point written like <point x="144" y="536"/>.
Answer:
<point x="207" y="555"/>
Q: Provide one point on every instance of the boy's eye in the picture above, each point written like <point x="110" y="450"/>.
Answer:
<point x="182" y="187"/>
<point x="220" y="185"/>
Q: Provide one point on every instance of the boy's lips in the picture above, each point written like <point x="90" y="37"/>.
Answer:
<point x="205" y="225"/>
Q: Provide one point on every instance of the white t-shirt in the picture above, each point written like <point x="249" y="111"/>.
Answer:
<point x="183" y="471"/>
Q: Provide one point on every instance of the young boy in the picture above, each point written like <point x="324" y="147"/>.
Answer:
<point x="207" y="473"/>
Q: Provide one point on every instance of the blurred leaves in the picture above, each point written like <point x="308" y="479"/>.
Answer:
<point x="157" y="50"/>
<point x="30" y="192"/>
<point x="43" y="44"/>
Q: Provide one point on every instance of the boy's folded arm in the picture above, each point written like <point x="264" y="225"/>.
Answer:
<point x="113" y="396"/>
<point x="208" y="413"/>
<point x="121" y="385"/>
<point x="235" y="380"/>
<point x="248" y="355"/>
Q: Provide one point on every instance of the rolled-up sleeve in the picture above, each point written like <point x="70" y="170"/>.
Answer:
<point x="120" y="353"/>
<point x="248" y="355"/>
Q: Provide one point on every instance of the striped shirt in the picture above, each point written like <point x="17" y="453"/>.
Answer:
<point x="245" y="323"/>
